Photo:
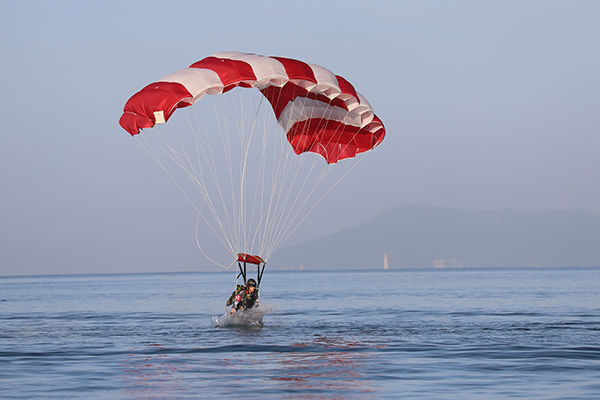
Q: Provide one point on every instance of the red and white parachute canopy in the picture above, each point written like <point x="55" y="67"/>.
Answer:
<point x="319" y="111"/>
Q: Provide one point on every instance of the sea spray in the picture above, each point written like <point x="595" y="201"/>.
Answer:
<point x="252" y="318"/>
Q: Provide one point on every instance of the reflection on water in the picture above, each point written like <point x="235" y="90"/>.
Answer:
<point x="326" y="367"/>
<point x="154" y="374"/>
<point x="334" y="370"/>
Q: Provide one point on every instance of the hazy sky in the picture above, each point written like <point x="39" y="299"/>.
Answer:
<point x="487" y="104"/>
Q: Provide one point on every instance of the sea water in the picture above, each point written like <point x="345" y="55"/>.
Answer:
<point x="529" y="333"/>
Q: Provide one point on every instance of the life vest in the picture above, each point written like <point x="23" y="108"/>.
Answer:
<point x="245" y="299"/>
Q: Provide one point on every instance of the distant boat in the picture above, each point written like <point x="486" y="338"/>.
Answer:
<point x="386" y="264"/>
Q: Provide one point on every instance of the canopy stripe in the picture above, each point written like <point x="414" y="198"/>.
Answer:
<point x="320" y="112"/>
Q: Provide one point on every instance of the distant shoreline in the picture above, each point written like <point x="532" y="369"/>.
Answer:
<point x="305" y="269"/>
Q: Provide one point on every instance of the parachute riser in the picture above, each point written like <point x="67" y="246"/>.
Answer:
<point x="243" y="272"/>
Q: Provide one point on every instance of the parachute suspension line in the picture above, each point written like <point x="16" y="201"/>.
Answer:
<point x="238" y="184"/>
<point x="258" y="221"/>
<point x="204" y="253"/>
<point x="243" y="173"/>
<point x="183" y="160"/>
<point x="234" y="224"/>
<point x="260" y="176"/>
<point x="235" y="159"/>
<point x="293" y="228"/>
<point x="290" y="185"/>
<point x="197" y="177"/>
<point x="144" y="145"/>
<point x="283" y="183"/>
<point x="265" y="216"/>
<point x="284" y="210"/>
<point x="236" y="212"/>
<point x="259" y="184"/>
<point x="282" y="204"/>
<point x="286" y="218"/>
<point x="226" y="143"/>
<point x="285" y="235"/>
<point x="239" y="223"/>
<point x="280" y="173"/>
<point x="201" y="154"/>
<point x="264" y="219"/>
<point x="146" y="148"/>
<point x="324" y="194"/>
<point x="277" y="170"/>
<point x="307" y="164"/>
<point x="289" y="227"/>
<point x="294" y="181"/>
<point x="224" y="131"/>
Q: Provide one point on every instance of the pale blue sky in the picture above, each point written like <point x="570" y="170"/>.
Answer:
<point x="487" y="104"/>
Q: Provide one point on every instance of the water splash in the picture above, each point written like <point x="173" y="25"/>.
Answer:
<point x="252" y="319"/>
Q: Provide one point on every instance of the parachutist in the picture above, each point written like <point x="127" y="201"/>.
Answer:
<point x="244" y="297"/>
<point x="319" y="112"/>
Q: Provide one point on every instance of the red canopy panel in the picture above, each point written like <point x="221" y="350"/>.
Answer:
<point x="247" y="258"/>
<point x="319" y="111"/>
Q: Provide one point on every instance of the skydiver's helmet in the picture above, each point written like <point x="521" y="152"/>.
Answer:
<point x="251" y="282"/>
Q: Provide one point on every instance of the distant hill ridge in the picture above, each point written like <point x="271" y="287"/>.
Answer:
<point x="426" y="236"/>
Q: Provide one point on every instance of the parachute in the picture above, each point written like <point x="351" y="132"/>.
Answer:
<point x="318" y="111"/>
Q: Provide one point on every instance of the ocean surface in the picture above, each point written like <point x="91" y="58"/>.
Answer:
<point x="530" y="333"/>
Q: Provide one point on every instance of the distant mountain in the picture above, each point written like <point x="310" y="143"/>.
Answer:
<point x="425" y="236"/>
